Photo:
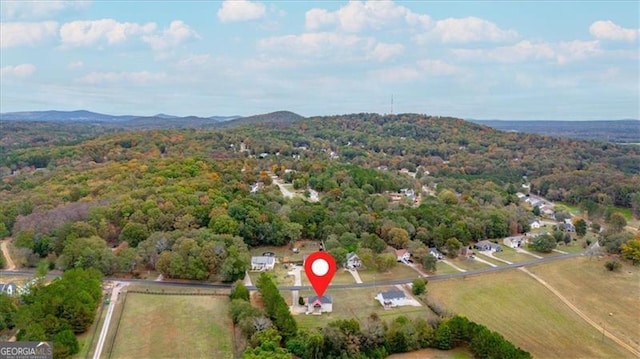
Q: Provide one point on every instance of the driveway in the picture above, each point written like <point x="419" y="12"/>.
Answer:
<point x="355" y="275"/>
<point x="453" y="265"/>
<point x="295" y="294"/>
<point x="107" y="320"/>
<point x="5" y="252"/>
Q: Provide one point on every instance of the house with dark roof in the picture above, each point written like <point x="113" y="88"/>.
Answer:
<point x="318" y="305"/>
<point x="392" y="298"/>
<point x="486" y="245"/>
<point x="262" y="263"/>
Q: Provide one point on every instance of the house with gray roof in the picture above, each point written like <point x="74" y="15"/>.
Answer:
<point x="319" y="305"/>
<point x="392" y="298"/>
<point x="262" y="263"/>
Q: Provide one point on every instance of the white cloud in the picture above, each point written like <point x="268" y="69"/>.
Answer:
<point x="383" y="51"/>
<point x="26" y="33"/>
<point x="83" y="33"/>
<point x="576" y="50"/>
<point x="240" y="10"/>
<point x="177" y="33"/>
<point x="135" y="78"/>
<point x="194" y="61"/>
<point x="608" y="30"/>
<point x="75" y="65"/>
<point x="356" y="16"/>
<point x="438" y="68"/>
<point x="521" y="51"/>
<point x="38" y="9"/>
<point x="395" y="74"/>
<point x="562" y="52"/>
<point x="470" y="29"/>
<point x="316" y="43"/>
<point x="22" y="70"/>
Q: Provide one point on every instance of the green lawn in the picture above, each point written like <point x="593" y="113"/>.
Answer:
<point x="442" y="268"/>
<point x="279" y="274"/>
<point x="526" y="313"/>
<point x="468" y="263"/>
<point x="399" y="271"/>
<point x="598" y="292"/>
<point x="512" y="256"/>
<point x="173" y="326"/>
<point x="356" y="303"/>
<point x="341" y="277"/>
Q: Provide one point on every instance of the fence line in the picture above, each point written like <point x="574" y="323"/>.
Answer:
<point x="115" y="334"/>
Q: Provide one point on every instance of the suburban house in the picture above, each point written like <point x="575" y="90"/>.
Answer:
<point x="353" y="261"/>
<point x="403" y="255"/>
<point x="546" y="210"/>
<point x="436" y="253"/>
<point x="535" y="224"/>
<point x="514" y="242"/>
<point x="392" y="298"/>
<point x="485" y="245"/>
<point x="569" y="227"/>
<point x="262" y="263"/>
<point x="9" y="289"/>
<point x="320" y="305"/>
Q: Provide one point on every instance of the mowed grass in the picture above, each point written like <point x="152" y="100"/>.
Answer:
<point x="526" y="313"/>
<point x="399" y="271"/>
<point x="174" y="326"/>
<point x="443" y="268"/>
<point x="356" y="303"/>
<point x="597" y="292"/>
<point x="511" y="255"/>
<point x="468" y="263"/>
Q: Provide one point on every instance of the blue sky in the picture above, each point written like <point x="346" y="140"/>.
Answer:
<point x="523" y="60"/>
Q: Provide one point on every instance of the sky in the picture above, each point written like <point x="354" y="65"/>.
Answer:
<point x="512" y="60"/>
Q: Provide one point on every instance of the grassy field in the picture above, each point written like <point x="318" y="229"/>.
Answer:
<point x="598" y="292"/>
<point x="442" y="268"/>
<point x="341" y="277"/>
<point x="400" y="271"/>
<point x="158" y="326"/>
<point x="469" y="264"/>
<point x="526" y="313"/>
<point x="358" y="304"/>
<point x="510" y="254"/>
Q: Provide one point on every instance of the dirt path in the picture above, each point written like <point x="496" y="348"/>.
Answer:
<point x="581" y="314"/>
<point x="5" y="253"/>
<point x="485" y="262"/>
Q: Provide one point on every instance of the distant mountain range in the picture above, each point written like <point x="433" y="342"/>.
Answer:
<point x="622" y="131"/>
<point x="160" y="120"/>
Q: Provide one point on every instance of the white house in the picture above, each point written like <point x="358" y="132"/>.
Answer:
<point x="353" y="261"/>
<point x="403" y="255"/>
<point x="514" y="242"/>
<point x="9" y="289"/>
<point x="436" y="253"/>
<point x="262" y="263"/>
<point x="535" y="224"/>
<point x="320" y="305"/>
<point x="392" y="298"/>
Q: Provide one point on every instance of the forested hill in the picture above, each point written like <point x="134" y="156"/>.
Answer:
<point x="188" y="202"/>
<point x="619" y="131"/>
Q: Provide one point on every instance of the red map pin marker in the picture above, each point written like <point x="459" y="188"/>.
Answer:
<point x="320" y="268"/>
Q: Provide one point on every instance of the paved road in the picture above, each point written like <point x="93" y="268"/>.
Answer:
<point x="437" y="277"/>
